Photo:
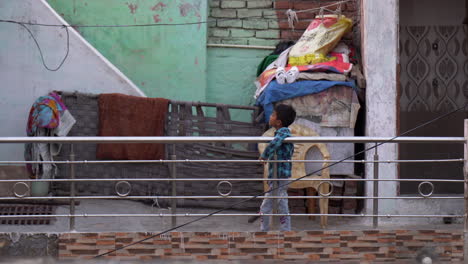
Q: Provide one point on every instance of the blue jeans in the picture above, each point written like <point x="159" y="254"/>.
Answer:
<point x="267" y="207"/>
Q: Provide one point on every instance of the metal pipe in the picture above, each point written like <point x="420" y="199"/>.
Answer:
<point x="174" y="187"/>
<point x="239" y="46"/>
<point x="245" y="214"/>
<point x="72" y="189"/>
<point x="392" y="140"/>
<point x="229" y="197"/>
<point x="465" y="174"/>
<point x="375" y="202"/>
<point x="227" y="161"/>
<point x="222" y="179"/>
<point x="193" y="104"/>
<point x="274" y="222"/>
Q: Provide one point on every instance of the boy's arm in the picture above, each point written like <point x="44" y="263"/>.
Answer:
<point x="274" y="145"/>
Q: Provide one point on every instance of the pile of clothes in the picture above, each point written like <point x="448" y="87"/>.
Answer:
<point x="312" y="75"/>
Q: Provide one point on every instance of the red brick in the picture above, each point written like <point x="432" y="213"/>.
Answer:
<point x="293" y="35"/>
<point x="301" y="25"/>
<point x="306" y="15"/>
<point x="303" y="5"/>
<point x="218" y="242"/>
<point x="281" y="14"/>
<point x="351" y="6"/>
<point x="314" y="257"/>
<point x="283" y="4"/>
<point x="105" y="242"/>
<point x="330" y="241"/>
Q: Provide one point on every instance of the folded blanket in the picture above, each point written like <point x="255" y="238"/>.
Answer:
<point x="278" y="92"/>
<point x="124" y="115"/>
<point x="337" y="106"/>
<point x="315" y="76"/>
<point x="268" y="75"/>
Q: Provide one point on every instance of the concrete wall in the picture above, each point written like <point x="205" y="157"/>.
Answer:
<point x="24" y="78"/>
<point x="380" y="46"/>
<point x="231" y="74"/>
<point x="164" y="61"/>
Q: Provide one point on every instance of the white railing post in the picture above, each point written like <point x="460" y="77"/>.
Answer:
<point x="72" y="189"/>
<point x="274" y="220"/>
<point x="173" y="170"/>
<point x="375" y="201"/>
<point x="465" y="174"/>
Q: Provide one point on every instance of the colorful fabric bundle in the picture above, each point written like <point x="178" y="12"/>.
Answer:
<point x="322" y="35"/>
<point x="48" y="117"/>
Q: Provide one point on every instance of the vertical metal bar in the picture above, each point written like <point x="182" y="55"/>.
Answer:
<point x="174" y="187"/>
<point x="274" y="220"/>
<point x="72" y="189"/>
<point x="465" y="174"/>
<point x="375" y="201"/>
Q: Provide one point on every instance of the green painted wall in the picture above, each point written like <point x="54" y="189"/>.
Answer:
<point x="231" y="73"/>
<point x="167" y="61"/>
<point x="164" y="61"/>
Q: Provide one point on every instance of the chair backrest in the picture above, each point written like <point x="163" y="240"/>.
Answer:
<point x="300" y="153"/>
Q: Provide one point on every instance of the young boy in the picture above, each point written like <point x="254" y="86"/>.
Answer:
<point x="282" y="117"/>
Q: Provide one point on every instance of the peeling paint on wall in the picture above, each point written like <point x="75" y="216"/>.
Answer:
<point x="159" y="7"/>
<point x="156" y="19"/>
<point x="132" y="7"/>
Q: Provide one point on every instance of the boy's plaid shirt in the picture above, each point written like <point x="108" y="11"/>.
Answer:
<point x="284" y="151"/>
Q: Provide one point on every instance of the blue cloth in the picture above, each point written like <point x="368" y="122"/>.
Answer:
<point x="284" y="151"/>
<point x="276" y="92"/>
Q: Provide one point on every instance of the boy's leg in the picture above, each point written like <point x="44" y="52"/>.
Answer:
<point x="266" y="208"/>
<point x="283" y="208"/>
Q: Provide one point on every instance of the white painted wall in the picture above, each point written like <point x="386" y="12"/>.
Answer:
<point x="380" y="59"/>
<point x="24" y="78"/>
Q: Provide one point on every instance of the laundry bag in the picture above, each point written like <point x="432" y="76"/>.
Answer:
<point x="322" y="35"/>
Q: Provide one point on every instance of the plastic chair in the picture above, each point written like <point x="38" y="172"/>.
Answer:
<point x="298" y="169"/>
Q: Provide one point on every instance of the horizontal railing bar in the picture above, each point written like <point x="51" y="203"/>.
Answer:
<point x="221" y="214"/>
<point x="244" y="107"/>
<point x="226" y="161"/>
<point x="227" y="197"/>
<point x="229" y="139"/>
<point x="225" y="179"/>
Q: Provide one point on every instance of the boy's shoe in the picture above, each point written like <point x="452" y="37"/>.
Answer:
<point x="292" y="74"/>
<point x="280" y="75"/>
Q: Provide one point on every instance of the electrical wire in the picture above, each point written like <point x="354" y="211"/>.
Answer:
<point x="25" y="24"/>
<point x="284" y="185"/>
<point x="170" y="24"/>
<point x="40" y="50"/>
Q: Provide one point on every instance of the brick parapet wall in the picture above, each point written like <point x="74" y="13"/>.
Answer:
<point x="394" y="246"/>
<point x="264" y="22"/>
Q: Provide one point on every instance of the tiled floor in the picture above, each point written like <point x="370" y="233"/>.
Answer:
<point x="213" y="223"/>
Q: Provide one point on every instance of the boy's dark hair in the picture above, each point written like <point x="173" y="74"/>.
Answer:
<point x="286" y="114"/>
